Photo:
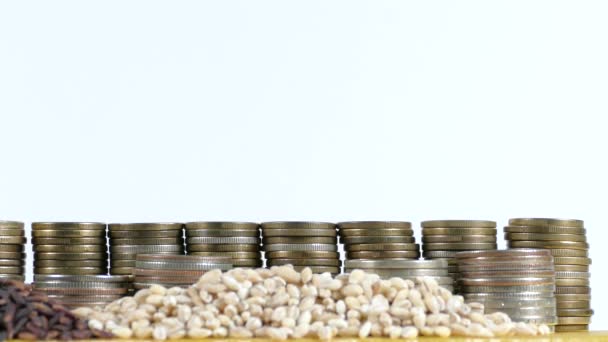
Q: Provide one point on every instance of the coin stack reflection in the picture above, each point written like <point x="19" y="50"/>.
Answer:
<point x="406" y="269"/>
<point x="127" y="240"/>
<point x="70" y="248"/>
<point x="302" y="244"/>
<point x="175" y="270"/>
<point x="378" y="240"/>
<point x="566" y="240"/>
<point x="442" y="239"/>
<point x="518" y="282"/>
<point x="238" y="240"/>
<point x="82" y="290"/>
<point x="12" y="255"/>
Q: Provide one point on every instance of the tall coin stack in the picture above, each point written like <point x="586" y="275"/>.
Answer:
<point x="378" y="240"/>
<point x="82" y="290"/>
<point x="127" y="240"/>
<point x="302" y="244"/>
<point x="12" y="255"/>
<point x="238" y="240"/>
<point x="406" y="269"/>
<point x="518" y="282"/>
<point x="565" y="239"/>
<point x="70" y="248"/>
<point x="442" y="239"/>
<point x="175" y="270"/>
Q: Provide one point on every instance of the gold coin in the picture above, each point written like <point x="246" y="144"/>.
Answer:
<point x="572" y="297"/>
<point x="377" y="239"/>
<point x="12" y="270"/>
<point x="247" y="263"/>
<point x="70" y="248"/>
<point x="542" y="222"/>
<point x="459" y="246"/>
<point x="569" y="252"/>
<point x="134" y="234"/>
<point x="147" y="241"/>
<point x="458" y="224"/>
<point x="383" y="255"/>
<point x="303" y="255"/>
<point x="458" y="238"/>
<point x="573" y="304"/>
<point x="374" y="225"/>
<point x="571" y="261"/>
<point x="147" y="249"/>
<point x="544" y="237"/>
<point x="75" y="233"/>
<point x="12" y="232"/>
<point x="571" y="268"/>
<point x="69" y="241"/>
<point x="122" y="270"/>
<point x="223" y="248"/>
<point x="548" y="244"/>
<point x="12" y="262"/>
<point x="70" y="256"/>
<point x="17" y="240"/>
<point x="11" y="248"/>
<point x="233" y="255"/>
<point x="71" y="263"/>
<point x="376" y="232"/>
<point x="573" y="290"/>
<point x="544" y="230"/>
<point x="458" y="231"/>
<point x="309" y="232"/>
<point x="222" y="233"/>
<point x="571" y="328"/>
<point x="304" y="262"/>
<point x="68" y="226"/>
<point x="122" y="263"/>
<point x="299" y="239"/>
<point x="221" y="225"/>
<point x="297" y="225"/>
<point x="71" y="270"/>
<point x="573" y="320"/>
<point x="382" y="247"/>
<point x="572" y="282"/>
<point x="144" y="226"/>
<point x="11" y="225"/>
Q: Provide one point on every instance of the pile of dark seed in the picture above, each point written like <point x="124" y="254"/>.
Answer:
<point x="30" y="315"/>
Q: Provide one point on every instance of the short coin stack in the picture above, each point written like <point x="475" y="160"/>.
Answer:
<point x="12" y="255"/>
<point x="406" y="269"/>
<point x="442" y="239"/>
<point x="302" y="244"/>
<point x="70" y="248"/>
<point x="127" y="240"/>
<point x="565" y="239"/>
<point x="82" y="290"/>
<point x="518" y="282"/>
<point x="378" y="240"/>
<point x="175" y="270"/>
<point x="238" y="240"/>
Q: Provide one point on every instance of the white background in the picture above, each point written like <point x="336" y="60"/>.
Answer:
<point x="123" y="111"/>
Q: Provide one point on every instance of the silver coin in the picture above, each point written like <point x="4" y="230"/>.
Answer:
<point x="165" y="265"/>
<point x="374" y="225"/>
<point x="524" y="311"/>
<point x="300" y="247"/>
<point x="377" y="239"/>
<point x="148" y="249"/>
<point x="401" y="264"/>
<point x="222" y="233"/>
<point x="572" y="275"/>
<point x="519" y="303"/>
<point x="80" y="278"/>
<point x="79" y="285"/>
<point x="223" y="225"/>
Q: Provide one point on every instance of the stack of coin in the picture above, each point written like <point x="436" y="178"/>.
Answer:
<point x="70" y="248"/>
<point x="442" y="239"/>
<point x="129" y="239"/>
<point x="518" y="282"/>
<point x="82" y="290"/>
<point x="302" y="244"/>
<point x="407" y="269"/>
<point x="238" y="240"/>
<point x="565" y="239"/>
<point x="12" y="255"/>
<point x="378" y="240"/>
<point x="175" y="270"/>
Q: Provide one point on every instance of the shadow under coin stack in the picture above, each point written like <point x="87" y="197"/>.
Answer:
<point x="82" y="290"/>
<point x="175" y="270"/>
<point x="127" y="240"/>
<point x="566" y="240"/>
<point x="70" y="248"/>
<point x="237" y="240"/>
<point x="518" y="282"/>
<point x="378" y="240"/>
<point x="406" y="269"/>
<point x="12" y="255"/>
<point x="302" y="244"/>
<point x="442" y="239"/>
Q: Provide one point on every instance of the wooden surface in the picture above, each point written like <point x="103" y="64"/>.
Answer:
<point x="591" y="336"/>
